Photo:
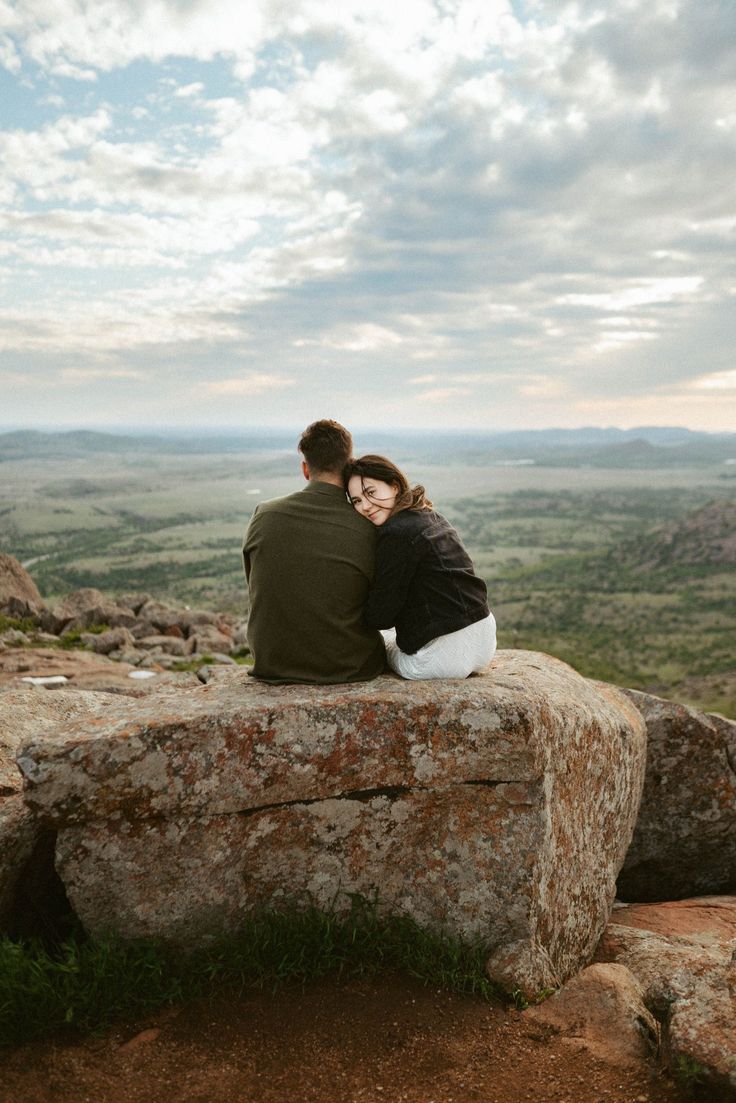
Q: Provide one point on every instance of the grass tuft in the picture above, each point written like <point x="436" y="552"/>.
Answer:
<point x="83" y="986"/>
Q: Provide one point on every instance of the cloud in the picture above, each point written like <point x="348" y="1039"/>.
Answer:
<point x="438" y="395"/>
<point x="80" y="376"/>
<point x="644" y="293"/>
<point x="460" y="198"/>
<point x="255" y="383"/>
<point x="719" y="381"/>
<point x="361" y="338"/>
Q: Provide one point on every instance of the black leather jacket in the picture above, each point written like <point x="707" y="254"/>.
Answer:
<point x="424" y="583"/>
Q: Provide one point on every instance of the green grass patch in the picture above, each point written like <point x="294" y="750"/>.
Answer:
<point x="70" y="641"/>
<point x="21" y="624"/>
<point x="83" y="986"/>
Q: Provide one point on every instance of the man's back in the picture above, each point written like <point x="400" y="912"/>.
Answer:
<point x="309" y="561"/>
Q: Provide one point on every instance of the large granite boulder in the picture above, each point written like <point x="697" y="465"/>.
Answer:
<point x="684" y="843"/>
<point x="684" y="955"/>
<point x="19" y="596"/>
<point x="499" y="807"/>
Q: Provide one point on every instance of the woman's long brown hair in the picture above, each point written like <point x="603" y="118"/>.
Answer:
<point x="378" y="467"/>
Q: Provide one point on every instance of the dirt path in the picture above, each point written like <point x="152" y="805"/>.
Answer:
<point x="387" y="1039"/>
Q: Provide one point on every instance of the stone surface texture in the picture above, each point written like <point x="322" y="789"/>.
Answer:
<point x="33" y="714"/>
<point x="684" y="954"/>
<point x="29" y="714"/>
<point x="685" y="838"/>
<point x="602" y="1010"/>
<point x="19" y="594"/>
<point x="499" y="807"/>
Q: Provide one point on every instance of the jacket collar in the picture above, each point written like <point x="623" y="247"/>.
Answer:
<point x="316" y="487"/>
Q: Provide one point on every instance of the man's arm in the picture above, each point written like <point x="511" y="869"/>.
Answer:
<point x="248" y="543"/>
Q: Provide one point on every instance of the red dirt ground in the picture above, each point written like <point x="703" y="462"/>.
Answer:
<point x="387" y="1040"/>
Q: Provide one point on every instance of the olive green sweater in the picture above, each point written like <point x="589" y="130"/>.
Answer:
<point x="308" y="562"/>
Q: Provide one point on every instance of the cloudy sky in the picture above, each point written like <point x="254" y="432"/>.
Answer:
<point x="482" y="213"/>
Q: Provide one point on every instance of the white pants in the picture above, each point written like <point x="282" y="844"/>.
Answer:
<point x="455" y="655"/>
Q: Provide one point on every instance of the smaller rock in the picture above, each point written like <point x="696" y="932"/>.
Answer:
<point x="102" y="643"/>
<point x="160" y="615"/>
<point x="19" y="596"/>
<point x="169" y="645"/>
<point x="87" y="607"/>
<point x="133" y="601"/>
<point x="131" y="656"/>
<point x="13" y="637"/>
<point x="683" y="953"/>
<point x="602" y="1010"/>
<point x="206" y="642"/>
<point x="684" y="843"/>
<point x="143" y="1038"/>
<point x="142" y="628"/>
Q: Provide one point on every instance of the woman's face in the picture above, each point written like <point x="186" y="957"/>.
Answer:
<point x="372" y="497"/>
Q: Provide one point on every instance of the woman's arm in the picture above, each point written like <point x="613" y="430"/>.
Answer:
<point x="396" y="563"/>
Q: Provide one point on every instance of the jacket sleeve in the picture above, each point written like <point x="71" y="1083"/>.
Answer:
<point x="396" y="563"/>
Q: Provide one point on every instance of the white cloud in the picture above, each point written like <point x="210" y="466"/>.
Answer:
<point x="361" y="338"/>
<point x="255" y="383"/>
<point x="616" y="338"/>
<point x="718" y="381"/>
<point x="187" y="90"/>
<point x="79" y="376"/>
<point x="643" y="293"/>
<point x="438" y="395"/>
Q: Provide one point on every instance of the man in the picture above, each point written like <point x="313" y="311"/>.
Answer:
<point x="308" y="562"/>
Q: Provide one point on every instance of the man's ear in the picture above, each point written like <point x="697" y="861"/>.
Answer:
<point x="305" y="470"/>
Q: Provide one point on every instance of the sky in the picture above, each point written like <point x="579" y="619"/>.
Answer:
<point x="462" y="213"/>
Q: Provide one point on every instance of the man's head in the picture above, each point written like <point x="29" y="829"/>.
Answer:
<point x="326" y="446"/>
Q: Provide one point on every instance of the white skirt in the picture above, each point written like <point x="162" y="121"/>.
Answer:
<point x="455" y="655"/>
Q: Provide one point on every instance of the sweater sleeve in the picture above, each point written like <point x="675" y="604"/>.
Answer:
<point x="395" y="566"/>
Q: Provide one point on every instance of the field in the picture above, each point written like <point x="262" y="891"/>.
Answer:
<point x="583" y="561"/>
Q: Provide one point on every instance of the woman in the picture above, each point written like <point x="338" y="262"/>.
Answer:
<point x="425" y="588"/>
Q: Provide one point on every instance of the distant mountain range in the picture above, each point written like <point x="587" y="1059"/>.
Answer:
<point x="644" y="447"/>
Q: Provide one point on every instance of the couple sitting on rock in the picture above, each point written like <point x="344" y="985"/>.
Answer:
<point x="355" y="551"/>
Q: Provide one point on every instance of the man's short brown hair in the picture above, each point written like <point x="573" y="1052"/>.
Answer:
<point x="326" y="446"/>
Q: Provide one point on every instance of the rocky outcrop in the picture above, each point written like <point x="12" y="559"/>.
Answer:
<point x="499" y="807"/>
<point x="685" y="838"/>
<point x="132" y="629"/>
<point x="19" y="596"/>
<point x="684" y="955"/>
